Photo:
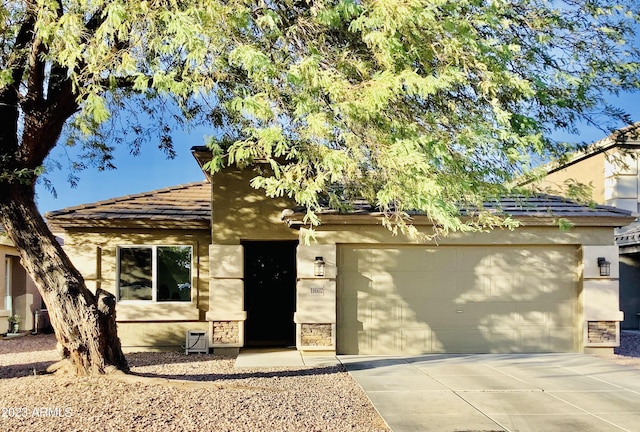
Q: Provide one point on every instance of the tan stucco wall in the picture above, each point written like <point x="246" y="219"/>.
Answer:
<point x="156" y="336"/>
<point x="535" y="235"/>
<point x="144" y="324"/>
<point x="240" y="212"/>
<point x="590" y="170"/>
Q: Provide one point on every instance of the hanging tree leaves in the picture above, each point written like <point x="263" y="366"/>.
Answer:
<point x="419" y="105"/>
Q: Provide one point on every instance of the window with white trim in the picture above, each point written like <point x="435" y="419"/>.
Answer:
<point x="154" y="273"/>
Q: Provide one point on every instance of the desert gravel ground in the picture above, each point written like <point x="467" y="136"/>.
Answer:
<point x="189" y="393"/>
<point x="177" y="393"/>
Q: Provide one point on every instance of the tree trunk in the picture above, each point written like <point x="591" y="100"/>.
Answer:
<point x="84" y="323"/>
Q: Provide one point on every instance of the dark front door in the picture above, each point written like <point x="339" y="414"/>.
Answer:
<point x="270" y="292"/>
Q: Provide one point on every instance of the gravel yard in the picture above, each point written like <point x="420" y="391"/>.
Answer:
<point x="177" y="393"/>
<point x="188" y="393"/>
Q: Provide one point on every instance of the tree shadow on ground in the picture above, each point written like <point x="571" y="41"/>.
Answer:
<point x="245" y="374"/>
<point x="25" y="369"/>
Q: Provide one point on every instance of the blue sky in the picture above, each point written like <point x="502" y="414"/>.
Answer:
<point x="147" y="171"/>
<point x="152" y="170"/>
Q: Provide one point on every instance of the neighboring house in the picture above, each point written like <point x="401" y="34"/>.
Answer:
<point x="611" y="166"/>
<point x="220" y="256"/>
<point x="18" y="294"/>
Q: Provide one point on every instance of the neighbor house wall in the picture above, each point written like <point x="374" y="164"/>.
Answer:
<point x="144" y="325"/>
<point x="5" y="249"/>
<point x="25" y="297"/>
<point x="592" y="170"/>
<point x="621" y="180"/>
<point x="613" y="175"/>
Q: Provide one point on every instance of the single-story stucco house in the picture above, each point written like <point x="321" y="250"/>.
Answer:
<point x="220" y="257"/>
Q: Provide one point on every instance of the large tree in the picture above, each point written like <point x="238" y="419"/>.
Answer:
<point x="412" y="105"/>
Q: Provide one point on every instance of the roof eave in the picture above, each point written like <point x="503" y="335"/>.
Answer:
<point x="196" y="224"/>
<point x="297" y="220"/>
<point x="202" y="155"/>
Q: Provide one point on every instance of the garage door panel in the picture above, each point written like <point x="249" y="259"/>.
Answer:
<point x="378" y="314"/>
<point x="444" y="260"/>
<point x="523" y="258"/>
<point x="440" y="285"/>
<point x="472" y="258"/>
<point x="456" y="299"/>
<point x="455" y="340"/>
<point x="506" y="286"/>
<point x="354" y="260"/>
<point x="561" y="286"/>
<point x="353" y="283"/>
<point x="441" y="314"/>
<point x="503" y="339"/>
<point x="379" y="342"/>
<point x="535" y="286"/>
<point x="531" y="313"/>
<point x="402" y="283"/>
<point x="415" y="340"/>
<point x="380" y="260"/>
<point x="561" y="337"/>
<point x="472" y="287"/>
<point x="566" y="314"/>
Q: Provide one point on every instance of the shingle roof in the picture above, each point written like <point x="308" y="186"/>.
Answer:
<point x="185" y="206"/>
<point x="629" y="237"/>
<point x="550" y="206"/>
<point x="537" y="209"/>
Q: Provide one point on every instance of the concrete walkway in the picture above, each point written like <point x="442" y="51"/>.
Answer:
<point x="546" y="392"/>
<point x="280" y="357"/>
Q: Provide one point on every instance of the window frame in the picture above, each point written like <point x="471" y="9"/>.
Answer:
<point x="154" y="270"/>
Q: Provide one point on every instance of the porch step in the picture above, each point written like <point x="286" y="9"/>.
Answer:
<point x="281" y="357"/>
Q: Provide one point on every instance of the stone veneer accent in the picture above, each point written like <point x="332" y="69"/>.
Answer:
<point x="316" y="335"/>
<point x="601" y="332"/>
<point x="225" y="332"/>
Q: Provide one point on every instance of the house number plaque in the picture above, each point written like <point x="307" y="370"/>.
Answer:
<point x="317" y="290"/>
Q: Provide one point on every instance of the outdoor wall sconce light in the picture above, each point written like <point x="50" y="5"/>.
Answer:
<point x="318" y="267"/>
<point x="605" y="266"/>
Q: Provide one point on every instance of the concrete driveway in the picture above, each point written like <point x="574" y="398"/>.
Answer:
<point x="491" y="392"/>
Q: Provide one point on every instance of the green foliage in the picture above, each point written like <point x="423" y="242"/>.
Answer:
<point x="10" y="174"/>
<point x="418" y="105"/>
<point x="410" y="104"/>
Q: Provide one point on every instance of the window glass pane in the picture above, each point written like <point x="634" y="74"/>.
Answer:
<point x="135" y="274"/>
<point x="174" y="273"/>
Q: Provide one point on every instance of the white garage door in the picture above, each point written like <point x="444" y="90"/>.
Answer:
<point x="463" y="299"/>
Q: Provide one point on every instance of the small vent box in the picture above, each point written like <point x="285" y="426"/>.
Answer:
<point x="197" y="342"/>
